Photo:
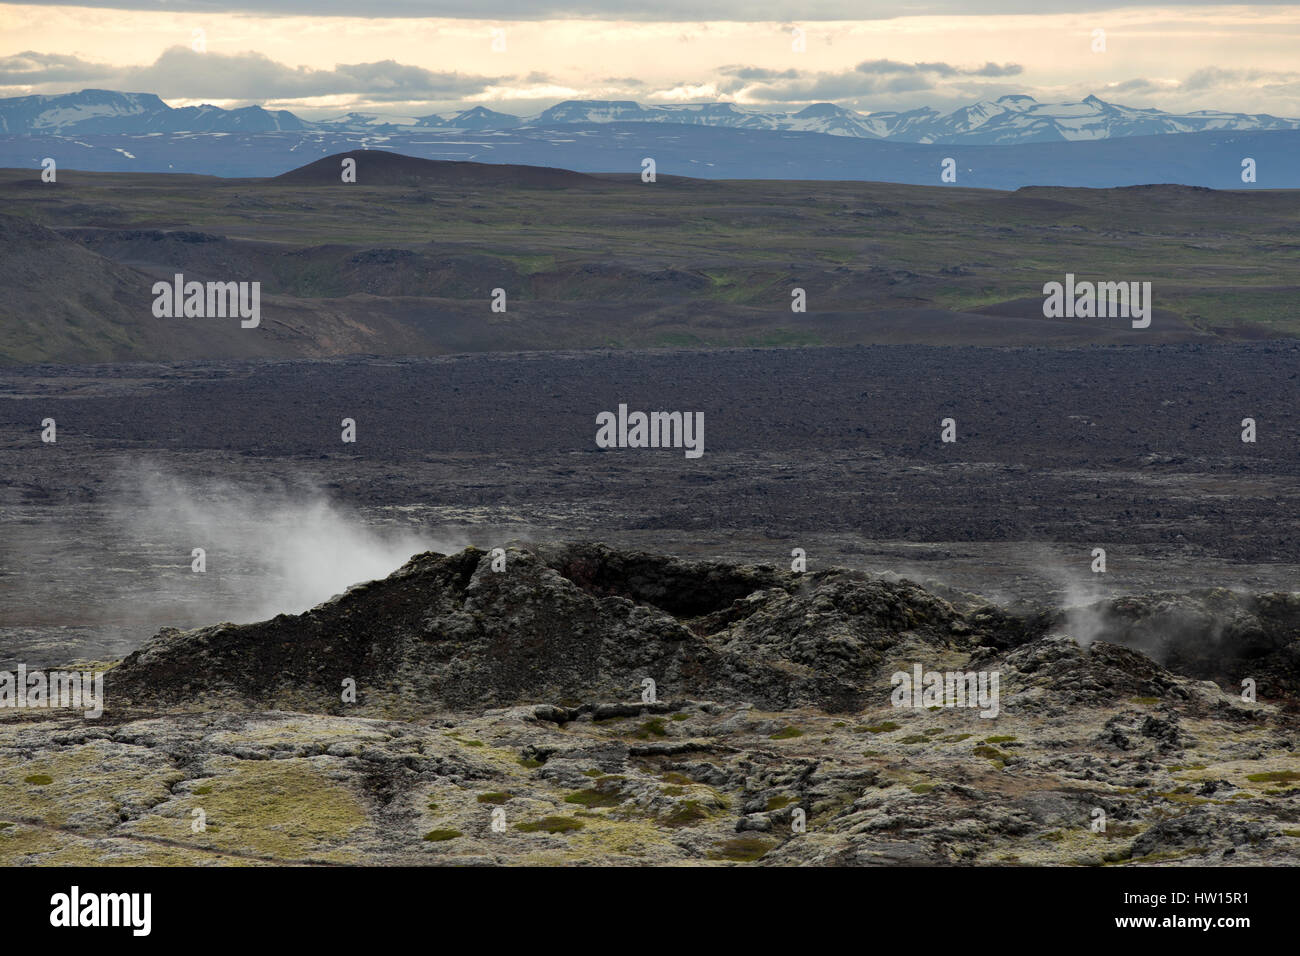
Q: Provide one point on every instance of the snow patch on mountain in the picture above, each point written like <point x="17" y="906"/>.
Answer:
<point x="1015" y="118"/>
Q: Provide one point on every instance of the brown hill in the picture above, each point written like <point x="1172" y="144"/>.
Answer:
<point x="378" y="167"/>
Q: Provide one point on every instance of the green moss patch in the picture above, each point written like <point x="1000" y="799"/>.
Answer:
<point x="655" y="727"/>
<point x="685" y="813"/>
<point x="440" y="836"/>
<point x="550" y="825"/>
<point x="742" y="849"/>
<point x="275" y="808"/>
<point x="883" y="727"/>
<point x="1274" y="776"/>
<point x="595" y="797"/>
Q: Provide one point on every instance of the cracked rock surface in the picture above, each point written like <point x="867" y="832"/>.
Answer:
<point x="499" y="719"/>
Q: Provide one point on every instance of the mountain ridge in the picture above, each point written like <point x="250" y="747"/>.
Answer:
<point x="1012" y="119"/>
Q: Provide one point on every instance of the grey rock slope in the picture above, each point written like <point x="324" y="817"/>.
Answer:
<point x="570" y="624"/>
<point x="582" y="622"/>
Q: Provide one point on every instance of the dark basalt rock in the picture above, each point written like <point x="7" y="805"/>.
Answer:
<point x="582" y="623"/>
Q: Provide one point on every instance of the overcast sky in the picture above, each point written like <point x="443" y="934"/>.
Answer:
<point x="406" y="57"/>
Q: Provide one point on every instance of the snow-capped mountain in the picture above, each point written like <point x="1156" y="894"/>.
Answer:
<point x="1022" y="119"/>
<point x="478" y="117"/>
<point x="1008" y="120"/>
<point x="107" y="111"/>
<point x="357" y="121"/>
<point x="818" y="118"/>
<point x="1016" y="118"/>
<point x="40" y="114"/>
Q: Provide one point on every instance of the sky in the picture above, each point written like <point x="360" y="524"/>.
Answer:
<point x="413" y="58"/>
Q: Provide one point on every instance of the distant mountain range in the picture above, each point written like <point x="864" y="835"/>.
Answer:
<point x="106" y="111"/>
<point x="1007" y="144"/>
<point x="1010" y="120"/>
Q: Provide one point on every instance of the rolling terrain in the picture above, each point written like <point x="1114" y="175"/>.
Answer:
<point x="405" y="261"/>
<point x="499" y="715"/>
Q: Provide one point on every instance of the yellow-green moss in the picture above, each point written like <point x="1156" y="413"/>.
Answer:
<point x="685" y="813"/>
<point x="595" y="797"/>
<point x="92" y="782"/>
<point x="440" y="836"/>
<point x="278" y="808"/>
<point x="655" y="727"/>
<point x="742" y="849"/>
<point x="1274" y="776"/>
<point x="550" y="825"/>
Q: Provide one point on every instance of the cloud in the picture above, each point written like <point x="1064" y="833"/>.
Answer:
<point x="892" y="67"/>
<point x="30" y="67"/>
<point x="758" y="73"/>
<point x="995" y="69"/>
<point x="870" y="78"/>
<point x="683" y="11"/>
<point x="1214" y="78"/>
<point x="181" y="72"/>
<point x="1266" y="91"/>
<point x="1138" y="85"/>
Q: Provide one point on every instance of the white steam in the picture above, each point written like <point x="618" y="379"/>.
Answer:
<point x="1080" y="593"/>
<point x="269" y="549"/>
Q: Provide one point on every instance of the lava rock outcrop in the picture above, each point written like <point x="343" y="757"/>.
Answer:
<point x="582" y="623"/>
